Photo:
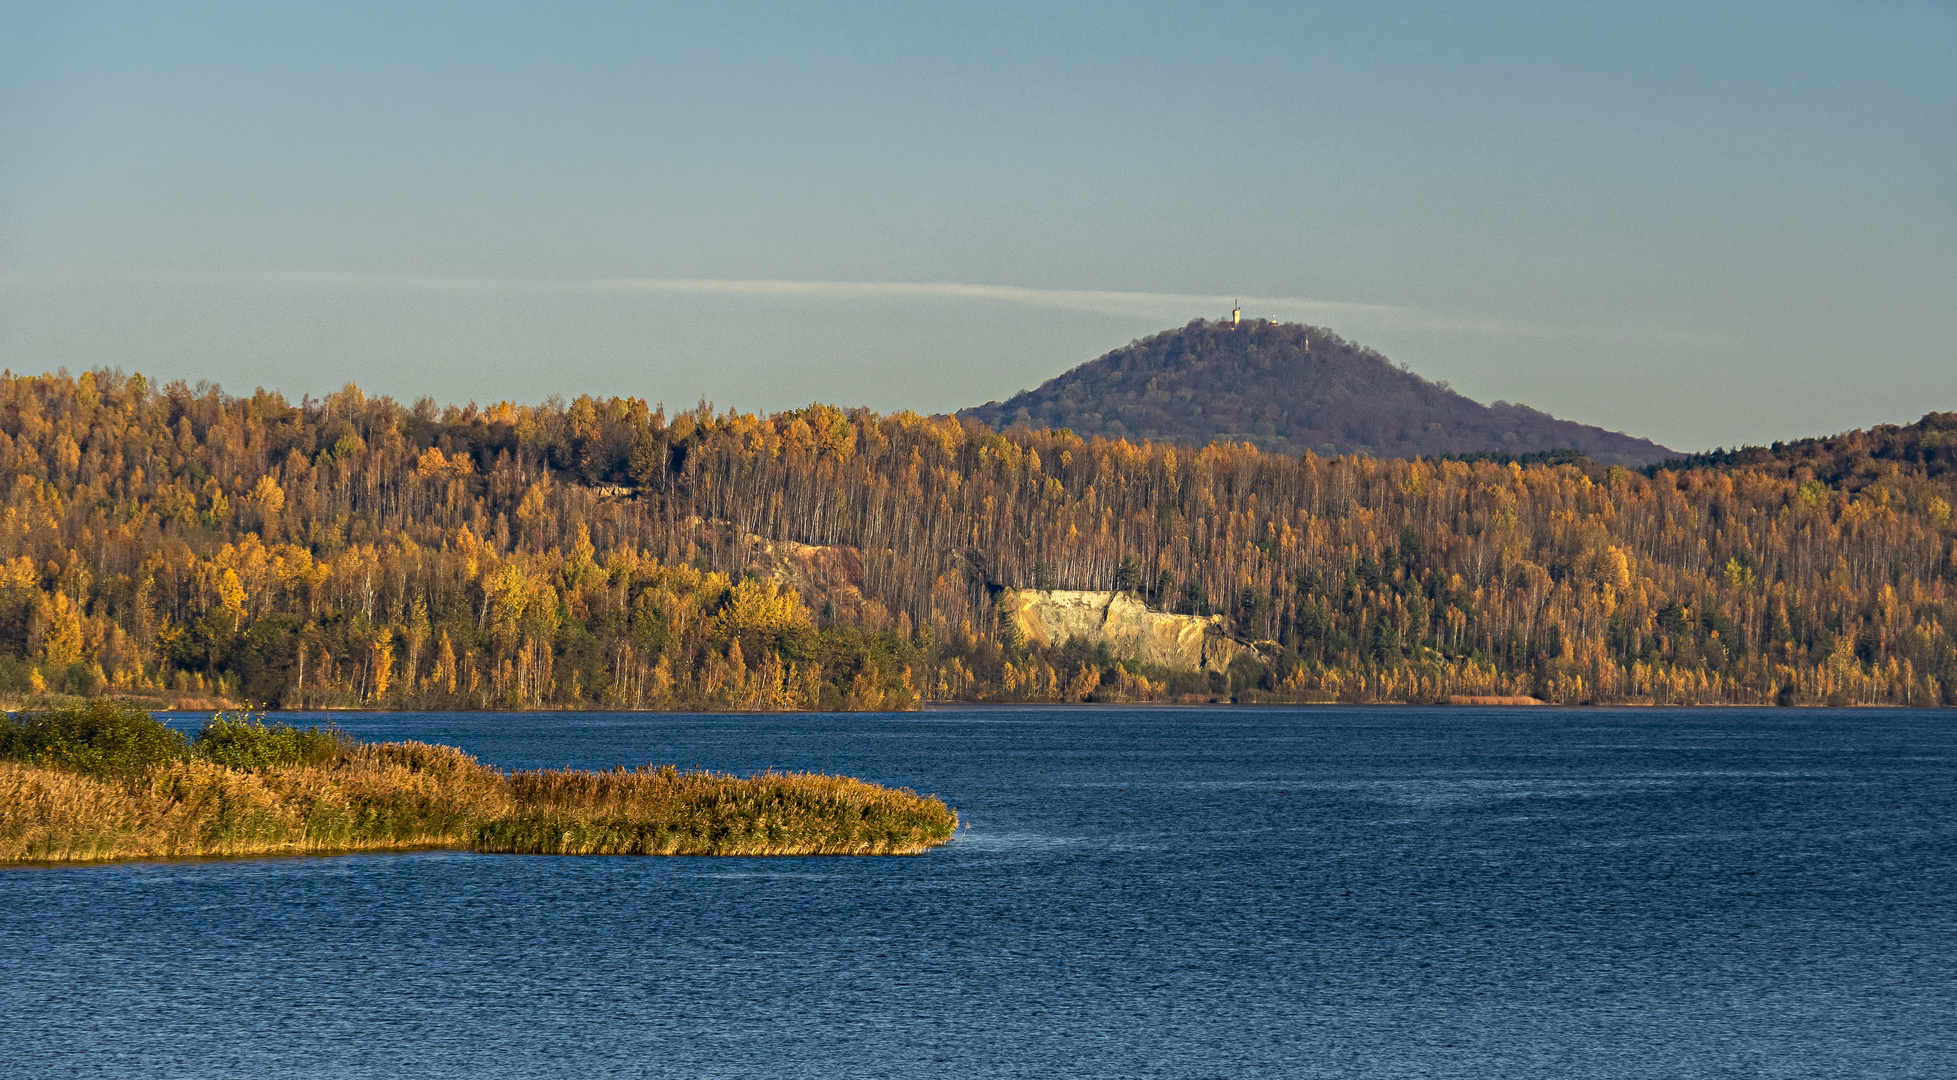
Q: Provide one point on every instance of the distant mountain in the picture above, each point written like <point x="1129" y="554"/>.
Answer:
<point x="1290" y="388"/>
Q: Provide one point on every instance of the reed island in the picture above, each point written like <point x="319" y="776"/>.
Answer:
<point x="99" y="781"/>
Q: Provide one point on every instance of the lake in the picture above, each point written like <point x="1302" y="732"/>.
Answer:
<point x="1380" y="892"/>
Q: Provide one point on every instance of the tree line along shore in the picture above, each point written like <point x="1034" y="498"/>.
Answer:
<point x="99" y="782"/>
<point x="170" y="544"/>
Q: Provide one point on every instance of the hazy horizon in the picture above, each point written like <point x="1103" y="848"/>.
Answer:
<point x="1699" y="225"/>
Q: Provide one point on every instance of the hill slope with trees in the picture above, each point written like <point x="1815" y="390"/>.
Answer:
<point x="1852" y="460"/>
<point x="1288" y="388"/>
<point x="356" y="551"/>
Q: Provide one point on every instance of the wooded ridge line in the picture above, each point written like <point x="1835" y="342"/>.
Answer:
<point x="172" y="544"/>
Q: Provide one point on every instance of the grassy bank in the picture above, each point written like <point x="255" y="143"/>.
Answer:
<point x="98" y="782"/>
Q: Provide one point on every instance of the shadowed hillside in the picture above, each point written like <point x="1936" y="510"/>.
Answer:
<point x="1852" y="460"/>
<point x="1289" y="388"/>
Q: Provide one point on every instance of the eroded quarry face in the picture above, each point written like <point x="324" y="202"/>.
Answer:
<point x="833" y="576"/>
<point x="1128" y="628"/>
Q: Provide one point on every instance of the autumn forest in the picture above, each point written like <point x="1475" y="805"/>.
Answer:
<point x="178" y="545"/>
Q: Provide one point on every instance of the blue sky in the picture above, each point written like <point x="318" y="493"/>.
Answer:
<point x="1707" y="224"/>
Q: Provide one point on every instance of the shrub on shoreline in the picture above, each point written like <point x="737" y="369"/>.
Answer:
<point x="97" y="738"/>
<point x="244" y="742"/>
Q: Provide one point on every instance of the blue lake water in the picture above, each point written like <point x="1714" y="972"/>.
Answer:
<point x="1140" y="893"/>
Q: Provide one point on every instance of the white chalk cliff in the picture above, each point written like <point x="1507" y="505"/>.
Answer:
<point x="1129" y="629"/>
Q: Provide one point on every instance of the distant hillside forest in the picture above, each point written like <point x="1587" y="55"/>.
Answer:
<point x="1289" y="388"/>
<point x="173" y="543"/>
<point x="1851" y="461"/>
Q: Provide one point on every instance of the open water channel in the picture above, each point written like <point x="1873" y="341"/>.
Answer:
<point x="1140" y="893"/>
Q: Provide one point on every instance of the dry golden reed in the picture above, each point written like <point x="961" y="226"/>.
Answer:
<point x="662" y="811"/>
<point x="401" y="796"/>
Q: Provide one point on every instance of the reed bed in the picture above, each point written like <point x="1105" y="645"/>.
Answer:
<point x="375" y="797"/>
<point x="404" y="796"/>
<point x="662" y="811"/>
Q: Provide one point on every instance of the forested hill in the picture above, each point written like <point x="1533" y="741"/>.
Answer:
<point x="1289" y="388"/>
<point x="175" y="545"/>
<point x="1852" y="460"/>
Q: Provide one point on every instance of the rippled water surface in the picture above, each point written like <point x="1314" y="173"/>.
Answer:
<point x="1165" y="892"/>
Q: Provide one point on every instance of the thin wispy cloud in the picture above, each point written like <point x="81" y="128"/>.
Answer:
<point x="1163" y="307"/>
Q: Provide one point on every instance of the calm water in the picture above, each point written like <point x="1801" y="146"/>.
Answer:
<point x="1187" y="893"/>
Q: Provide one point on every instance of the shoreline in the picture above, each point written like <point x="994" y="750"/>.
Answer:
<point x="1021" y="706"/>
<point x="411" y="849"/>
<point x="205" y="706"/>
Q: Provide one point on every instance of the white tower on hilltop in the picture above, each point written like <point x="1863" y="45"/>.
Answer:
<point x="1236" y="313"/>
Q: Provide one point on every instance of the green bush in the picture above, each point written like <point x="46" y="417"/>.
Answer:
<point x="98" y="737"/>
<point x="247" y="743"/>
<point x="81" y="679"/>
<point x="16" y="675"/>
